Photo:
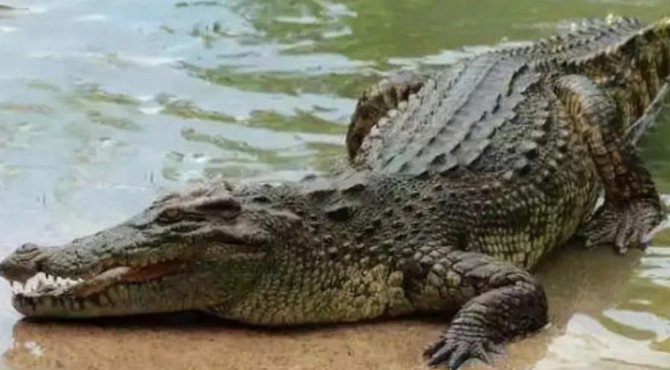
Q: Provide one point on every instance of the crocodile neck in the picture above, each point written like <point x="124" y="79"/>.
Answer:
<point x="360" y="226"/>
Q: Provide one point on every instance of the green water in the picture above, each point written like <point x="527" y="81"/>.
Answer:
<point x="105" y="104"/>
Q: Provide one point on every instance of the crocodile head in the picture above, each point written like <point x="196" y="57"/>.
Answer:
<point x="188" y="251"/>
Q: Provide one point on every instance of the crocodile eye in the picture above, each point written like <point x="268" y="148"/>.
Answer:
<point x="170" y="215"/>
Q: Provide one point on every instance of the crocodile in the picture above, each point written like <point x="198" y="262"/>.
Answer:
<point x="457" y="184"/>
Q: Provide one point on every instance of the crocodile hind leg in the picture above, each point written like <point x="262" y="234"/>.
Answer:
<point x="632" y="205"/>
<point x="507" y="302"/>
<point x="376" y="102"/>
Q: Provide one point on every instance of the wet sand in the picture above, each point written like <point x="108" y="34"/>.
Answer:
<point x="577" y="281"/>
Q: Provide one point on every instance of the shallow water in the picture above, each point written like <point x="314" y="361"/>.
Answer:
<point x="106" y="104"/>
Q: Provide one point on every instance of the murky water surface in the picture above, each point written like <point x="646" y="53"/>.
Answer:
<point x="105" y="104"/>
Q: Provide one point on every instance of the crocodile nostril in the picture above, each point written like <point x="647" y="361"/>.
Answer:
<point x="28" y="248"/>
<point x="22" y="264"/>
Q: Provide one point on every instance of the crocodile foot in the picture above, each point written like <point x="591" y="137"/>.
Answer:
<point x="508" y="303"/>
<point x="454" y="351"/>
<point x="629" y="225"/>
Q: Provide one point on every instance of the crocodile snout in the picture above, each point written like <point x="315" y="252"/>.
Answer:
<point x="23" y="263"/>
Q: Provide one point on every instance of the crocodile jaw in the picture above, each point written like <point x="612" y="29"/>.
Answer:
<point x="127" y="288"/>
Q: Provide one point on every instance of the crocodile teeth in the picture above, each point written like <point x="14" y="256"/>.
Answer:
<point x="16" y="286"/>
<point x="41" y="283"/>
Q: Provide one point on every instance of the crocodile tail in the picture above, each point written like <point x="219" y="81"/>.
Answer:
<point x="627" y="59"/>
<point x="664" y="25"/>
<point x="594" y="27"/>
<point x="649" y="50"/>
<point x="651" y="55"/>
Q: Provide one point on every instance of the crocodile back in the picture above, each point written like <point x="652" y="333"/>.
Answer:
<point x="491" y="113"/>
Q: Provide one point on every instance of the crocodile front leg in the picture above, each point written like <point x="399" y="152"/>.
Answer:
<point x="508" y="302"/>
<point x="632" y="205"/>
<point x="376" y="102"/>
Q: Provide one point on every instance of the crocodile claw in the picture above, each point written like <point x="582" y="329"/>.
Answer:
<point x="623" y="227"/>
<point x="454" y="352"/>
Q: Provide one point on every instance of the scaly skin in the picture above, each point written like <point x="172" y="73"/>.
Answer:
<point x="458" y="184"/>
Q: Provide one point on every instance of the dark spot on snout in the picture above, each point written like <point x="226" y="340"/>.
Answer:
<point x="261" y="199"/>
<point x="339" y="211"/>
